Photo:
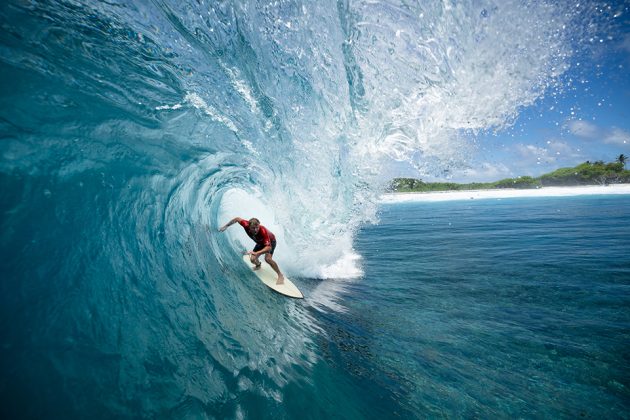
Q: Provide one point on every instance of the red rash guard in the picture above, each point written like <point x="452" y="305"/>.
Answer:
<point x="264" y="237"/>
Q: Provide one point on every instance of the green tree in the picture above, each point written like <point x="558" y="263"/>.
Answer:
<point x="587" y="173"/>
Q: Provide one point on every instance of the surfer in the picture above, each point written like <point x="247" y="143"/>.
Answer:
<point x="265" y="243"/>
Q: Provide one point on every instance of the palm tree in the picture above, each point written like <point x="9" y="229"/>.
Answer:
<point x="622" y="159"/>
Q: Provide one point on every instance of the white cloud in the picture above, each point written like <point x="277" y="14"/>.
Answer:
<point x="487" y="172"/>
<point x="617" y="136"/>
<point x="583" y="129"/>
<point x="590" y="131"/>
<point x="529" y="155"/>
<point x="564" y="149"/>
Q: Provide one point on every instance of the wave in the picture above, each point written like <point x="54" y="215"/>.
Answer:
<point x="133" y="130"/>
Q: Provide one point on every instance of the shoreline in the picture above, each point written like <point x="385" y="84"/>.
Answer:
<point x="402" y="197"/>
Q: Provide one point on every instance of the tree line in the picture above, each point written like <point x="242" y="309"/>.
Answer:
<point x="587" y="173"/>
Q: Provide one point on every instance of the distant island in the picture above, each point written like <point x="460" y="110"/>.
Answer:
<point x="587" y="173"/>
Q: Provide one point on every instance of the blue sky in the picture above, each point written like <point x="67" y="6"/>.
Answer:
<point x="586" y="118"/>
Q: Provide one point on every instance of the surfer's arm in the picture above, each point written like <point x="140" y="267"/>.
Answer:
<point x="230" y="223"/>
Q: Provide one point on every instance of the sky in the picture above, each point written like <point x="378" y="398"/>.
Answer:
<point x="587" y="119"/>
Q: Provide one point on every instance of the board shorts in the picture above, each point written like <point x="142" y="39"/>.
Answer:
<point x="258" y="247"/>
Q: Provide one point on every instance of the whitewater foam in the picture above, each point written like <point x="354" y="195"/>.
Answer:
<point x="195" y="100"/>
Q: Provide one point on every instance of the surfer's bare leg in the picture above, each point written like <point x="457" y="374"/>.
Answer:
<point x="255" y="261"/>
<point x="275" y="267"/>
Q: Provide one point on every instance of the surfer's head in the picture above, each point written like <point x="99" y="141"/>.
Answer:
<point x="254" y="225"/>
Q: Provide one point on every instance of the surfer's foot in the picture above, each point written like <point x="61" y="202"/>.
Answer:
<point x="280" y="280"/>
<point x="257" y="267"/>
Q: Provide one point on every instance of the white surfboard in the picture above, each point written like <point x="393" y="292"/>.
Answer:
<point x="269" y="277"/>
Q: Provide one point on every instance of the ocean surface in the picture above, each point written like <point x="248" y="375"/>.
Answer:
<point x="515" y="308"/>
<point x="130" y="131"/>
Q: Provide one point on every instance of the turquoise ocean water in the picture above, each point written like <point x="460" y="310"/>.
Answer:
<point x="131" y="130"/>
<point x="512" y="308"/>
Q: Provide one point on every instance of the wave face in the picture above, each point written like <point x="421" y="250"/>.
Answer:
<point x="132" y="130"/>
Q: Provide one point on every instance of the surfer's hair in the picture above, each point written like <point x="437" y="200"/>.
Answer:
<point x="254" y="221"/>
